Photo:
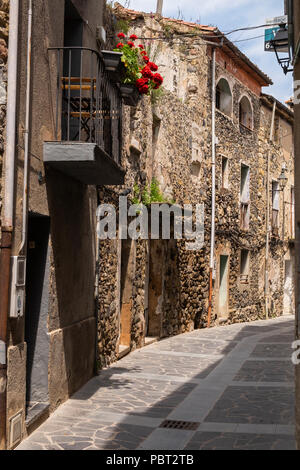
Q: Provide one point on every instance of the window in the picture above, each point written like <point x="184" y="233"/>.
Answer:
<point x="244" y="266"/>
<point x="224" y="97"/>
<point x="225" y="168"/>
<point x="195" y="169"/>
<point x="245" y="197"/>
<point x="245" y="113"/>
<point x="275" y="206"/>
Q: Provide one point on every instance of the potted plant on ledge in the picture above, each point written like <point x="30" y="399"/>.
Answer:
<point x="140" y="76"/>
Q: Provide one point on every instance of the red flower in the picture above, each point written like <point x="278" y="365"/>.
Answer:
<point x="146" y="72"/>
<point x="120" y="45"/>
<point x="133" y="37"/>
<point x="130" y="44"/>
<point x="121" y="35"/>
<point x="141" y="82"/>
<point x="141" y="46"/>
<point x="144" y="53"/>
<point x="146" y="59"/>
<point x="153" y="66"/>
<point x="144" y="90"/>
<point x="157" y="78"/>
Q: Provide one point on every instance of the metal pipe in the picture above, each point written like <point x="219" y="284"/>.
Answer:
<point x="159" y="7"/>
<point x="213" y="184"/>
<point x="8" y="210"/>
<point x="11" y="115"/>
<point x="268" y="217"/>
<point x="23" y="245"/>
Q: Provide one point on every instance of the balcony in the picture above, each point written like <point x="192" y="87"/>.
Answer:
<point x="88" y="119"/>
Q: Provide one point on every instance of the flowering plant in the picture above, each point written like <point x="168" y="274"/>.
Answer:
<point x="140" y="71"/>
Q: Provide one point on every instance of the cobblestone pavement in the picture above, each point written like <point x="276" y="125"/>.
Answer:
<point x="234" y="382"/>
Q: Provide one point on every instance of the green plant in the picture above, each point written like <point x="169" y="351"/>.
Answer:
<point x="155" y="193"/>
<point x="168" y="30"/>
<point x="130" y="58"/>
<point x="122" y="25"/>
<point x="149" y="195"/>
<point x="146" y="197"/>
<point x="136" y="194"/>
<point x="139" y="70"/>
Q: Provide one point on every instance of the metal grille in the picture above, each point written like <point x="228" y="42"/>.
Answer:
<point x="88" y="103"/>
<point x="183" y="425"/>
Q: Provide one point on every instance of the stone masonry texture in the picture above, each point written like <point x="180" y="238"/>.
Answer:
<point x="179" y="290"/>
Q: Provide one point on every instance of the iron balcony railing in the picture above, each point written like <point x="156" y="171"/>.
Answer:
<point x="88" y="103"/>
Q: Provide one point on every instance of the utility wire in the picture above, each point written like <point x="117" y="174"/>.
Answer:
<point x="210" y="36"/>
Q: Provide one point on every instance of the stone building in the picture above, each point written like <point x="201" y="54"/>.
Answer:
<point x="83" y="302"/>
<point x="292" y="9"/>
<point x="153" y="289"/>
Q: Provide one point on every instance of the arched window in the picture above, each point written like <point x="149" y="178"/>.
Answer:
<point x="246" y="116"/>
<point x="224" y="97"/>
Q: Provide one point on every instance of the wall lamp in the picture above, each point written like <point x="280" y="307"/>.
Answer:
<point x="283" y="178"/>
<point x="281" y="45"/>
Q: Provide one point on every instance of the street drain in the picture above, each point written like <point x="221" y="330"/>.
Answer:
<point x="183" y="425"/>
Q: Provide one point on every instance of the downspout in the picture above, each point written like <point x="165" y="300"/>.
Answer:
<point x="213" y="189"/>
<point x="23" y="245"/>
<point x="268" y="217"/>
<point x="8" y="203"/>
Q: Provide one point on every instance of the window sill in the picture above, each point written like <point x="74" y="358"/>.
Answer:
<point x="224" y="115"/>
<point x="249" y="129"/>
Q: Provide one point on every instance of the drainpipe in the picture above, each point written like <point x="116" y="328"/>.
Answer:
<point x="159" y="7"/>
<point x="268" y="217"/>
<point x="8" y="203"/>
<point x="213" y="189"/>
<point x="23" y="245"/>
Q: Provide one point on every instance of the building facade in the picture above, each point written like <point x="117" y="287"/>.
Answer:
<point x="48" y="212"/>
<point x="292" y="9"/>
<point x="153" y="289"/>
<point x="68" y="144"/>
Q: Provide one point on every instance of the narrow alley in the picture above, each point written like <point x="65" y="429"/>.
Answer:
<point x="229" y="387"/>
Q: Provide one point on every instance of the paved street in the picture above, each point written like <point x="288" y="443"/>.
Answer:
<point x="229" y="387"/>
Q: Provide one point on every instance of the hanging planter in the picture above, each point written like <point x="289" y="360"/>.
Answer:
<point x="130" y="94"/>
<point x="112" y="60"/>
<point x="140" y="77"/>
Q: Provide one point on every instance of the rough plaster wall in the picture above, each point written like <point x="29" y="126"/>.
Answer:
<point x="71" y="207"/>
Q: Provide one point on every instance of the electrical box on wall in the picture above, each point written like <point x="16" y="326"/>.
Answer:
<point x="17" y="296"/>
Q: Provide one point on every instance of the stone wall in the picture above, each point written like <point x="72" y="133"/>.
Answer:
<point x="169" y="280"/>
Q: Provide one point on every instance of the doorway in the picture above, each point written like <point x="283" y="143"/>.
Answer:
<point x="126" y="295"/>
<point x="36" y="314"/>
<point x="223" y="286"/>
<point x="155" y="289"/>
